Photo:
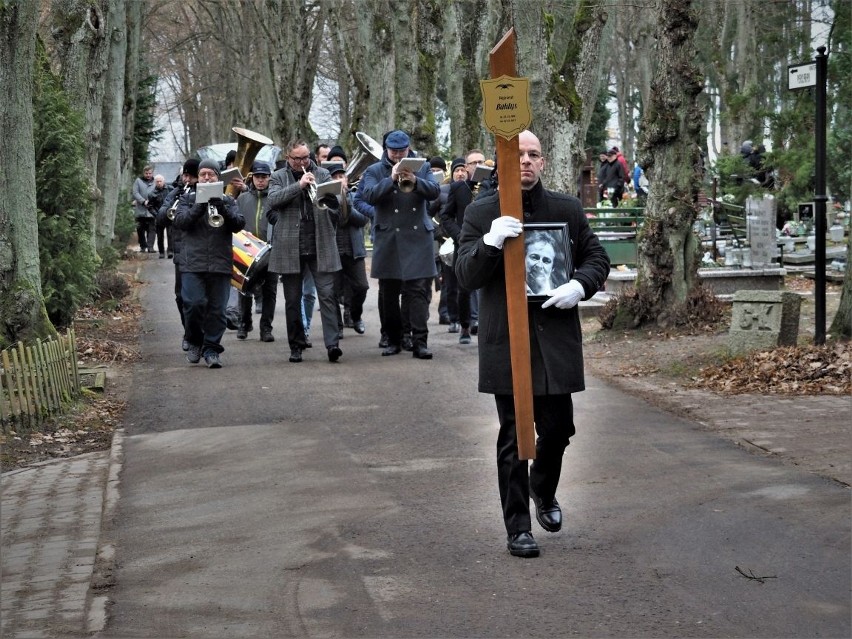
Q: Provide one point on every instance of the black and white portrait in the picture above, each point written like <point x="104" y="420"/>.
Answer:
<point x="546" y="262"/>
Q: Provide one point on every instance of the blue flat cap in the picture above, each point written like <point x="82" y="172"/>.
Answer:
<point x="397" y="140"/>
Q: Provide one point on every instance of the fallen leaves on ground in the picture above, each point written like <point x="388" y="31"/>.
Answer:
<point x="790" y="370"/>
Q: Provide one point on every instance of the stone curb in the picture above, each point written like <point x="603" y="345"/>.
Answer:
<point x="103" y="571"/>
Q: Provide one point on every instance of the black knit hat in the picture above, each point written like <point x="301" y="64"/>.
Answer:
<point x="438" y="162"/>
<point x="190" y="167"/>
<point x="336" y="152"/>
<point x="457" y="162"/>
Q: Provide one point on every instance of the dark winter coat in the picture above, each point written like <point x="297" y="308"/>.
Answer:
<point x="163" y="221"/>
<point x="255" y="216"/>
<point x="556" y="347"/>
<point x="350" y="231"/>
<point x="284" y="211"/>
<point x="611" y="175"/>
<point x="452" y="215"/>
<point x="207" y="249"/>
<point x="403" y="241"/>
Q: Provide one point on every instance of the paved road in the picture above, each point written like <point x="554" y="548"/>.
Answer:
<point x="358" y="499"/>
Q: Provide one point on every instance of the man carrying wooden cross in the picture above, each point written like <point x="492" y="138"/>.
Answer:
<point x="556" y="354"/>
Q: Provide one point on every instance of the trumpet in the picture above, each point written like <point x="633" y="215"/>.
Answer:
<point x="312" y="189"/>
<point x="406" y="185"/>
<point x="214" y="218"/>
<point x="170" y="214"/>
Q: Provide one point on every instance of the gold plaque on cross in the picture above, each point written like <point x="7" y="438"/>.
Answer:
<point x="506" y="105"/>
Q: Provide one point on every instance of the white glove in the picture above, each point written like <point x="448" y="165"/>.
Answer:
<point x="565" y="296"/>
<point x="501" y="228"/>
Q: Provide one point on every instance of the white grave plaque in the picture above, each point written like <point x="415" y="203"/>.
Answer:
<point x="760" y="217"/>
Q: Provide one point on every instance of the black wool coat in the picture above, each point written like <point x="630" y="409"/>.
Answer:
<point x="556" y="345"/>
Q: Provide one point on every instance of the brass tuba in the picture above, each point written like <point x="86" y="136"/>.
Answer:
<point x="369" y="152"/>
<point x="249" y="145"/>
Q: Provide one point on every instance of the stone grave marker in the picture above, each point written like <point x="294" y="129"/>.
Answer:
<point x="763" y="319"/>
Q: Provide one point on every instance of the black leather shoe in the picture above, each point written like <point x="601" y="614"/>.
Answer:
<point x="547" y="513"/>
<point x="295" y="355"/>
<point x="455" y="327"/>
<point x="474" y="328"/>
<point x="334" y="353"/>
<point x="383" y="341"/>
<point x="359" y="326"/>
<point x="266" y="336"/>
<point x="522" y="544"/>
<point x="242" y="333"/>
<point x="407" y="343"/>
<point x="391" y="349"/>
<point x="422" y="353"/>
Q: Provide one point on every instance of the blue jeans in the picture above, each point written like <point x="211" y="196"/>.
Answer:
<point x="205" y="297"/>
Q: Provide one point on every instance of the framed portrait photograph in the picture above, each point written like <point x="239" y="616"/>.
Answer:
<point x="547" y="258"/>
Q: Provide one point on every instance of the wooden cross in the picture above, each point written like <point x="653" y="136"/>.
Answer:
<point x="502" y="62"/>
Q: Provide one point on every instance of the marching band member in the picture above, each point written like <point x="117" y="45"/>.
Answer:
<point x="253" y="205"/>
<point x="403" y="255"/>
<point x="303" y="240"/>
<point x="461" y="194"/>
<point x="206" y="261"/>
<point x="350" y="243"/>
<point x="189" y="177"/>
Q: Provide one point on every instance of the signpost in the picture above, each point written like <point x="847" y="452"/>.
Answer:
<point x="803" y="76"/>
<point x="506" y="113"/>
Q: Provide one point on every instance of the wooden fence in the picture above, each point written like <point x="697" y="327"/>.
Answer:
<point x="37" y="381"/>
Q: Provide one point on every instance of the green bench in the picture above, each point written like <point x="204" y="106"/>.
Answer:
<point x="616" y="230"/>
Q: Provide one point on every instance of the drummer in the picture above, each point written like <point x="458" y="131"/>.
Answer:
<point x="252" y="204"/>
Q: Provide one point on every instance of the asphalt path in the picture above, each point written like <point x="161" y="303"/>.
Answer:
<point x="359" y="499"/>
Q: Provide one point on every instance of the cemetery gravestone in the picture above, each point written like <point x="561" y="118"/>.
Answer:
<point x="763" y="319"/>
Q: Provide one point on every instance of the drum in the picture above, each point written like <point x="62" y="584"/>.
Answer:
<point x="251" y="261"/>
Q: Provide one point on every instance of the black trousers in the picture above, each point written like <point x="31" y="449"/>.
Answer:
<point x="268" y="297"/>
<point x="352" y="278"/>
<point x="416" y="294"/>
<point x="554" y="426"/>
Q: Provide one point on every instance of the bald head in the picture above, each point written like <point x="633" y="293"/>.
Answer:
<point x="532" y="162"/>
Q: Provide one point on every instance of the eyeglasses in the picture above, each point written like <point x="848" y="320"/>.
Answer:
<point x="532" y="155"/>
<point x="303" y="158"/>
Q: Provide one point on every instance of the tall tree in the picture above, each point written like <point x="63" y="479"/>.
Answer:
<point x="670" y="151"/>
<point x="559" y="49"/>
<point x="21" y="300"/>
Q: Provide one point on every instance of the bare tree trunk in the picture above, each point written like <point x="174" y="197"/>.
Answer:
<point x="110" y="159"/>
<point x="670" y="152"/>
<point x="21" y="299"/>
<point x="841" y="326"/>
<point x="80" y="46"/>
<point x="560" y="52"/>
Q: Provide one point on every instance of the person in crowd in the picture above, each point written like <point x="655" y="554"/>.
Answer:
<point x="353" y="252"/>
<point x="165" y="217"/>
<point x="540" y="251"/>
<point x="156" y="197"/>
<point x="462" y="192"/>
<point x="206" y="262"/>
<point x="145" y="229"/>
<point x="321" y="153"/>
<point x="619" y="156"/>
<point x="611" y="178"/>
<point x="403" y="253"/>
<point x="555" y="343"/>
<point x="640" y="184"/>
<point x="439" y="170"/>
<point x="304" y="239"/>
<point x="252" y="204"/>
